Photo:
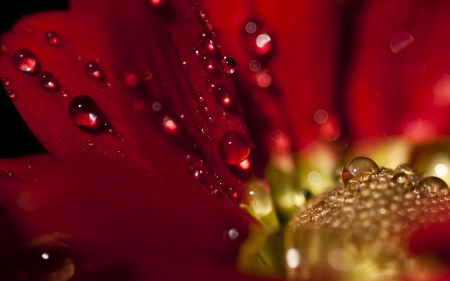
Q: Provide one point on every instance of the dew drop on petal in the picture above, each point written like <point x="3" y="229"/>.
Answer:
<point x="250" y="27"/>
<point x="263" y="44"/>
<point x="52" y="38"/>
<point x="47" y="81"/>
<point x="435" y="184"/>
<point x="11" y="93"/>
<point x="254" y="65"/>
<point x="54" y="263"/>
<point x="204" y="16"/>
<point x="120" y="153"/>
<point x="400" y="41"/>
<point x="169" y="125"/>
<point x="93" y="70"/>
<point x="221" y="92"/>
<point x="229" y="65"/>
<point x="155" y="2"/>
<point x="233" y="147"/>
<point x="6" y="82"/>
<point x="132" y="80"/>
<point x="25" y="60"/>
<point x="83" y="111"/>
<point x="357" y="167"/>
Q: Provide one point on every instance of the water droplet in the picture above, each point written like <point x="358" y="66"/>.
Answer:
<point x="232" y="234"/>
<point x="321" y="116"/>
<point x="64" y="94"/>
<point x="6" y="82"/>
<point x="121" y="154"/>
<point x="221" y="92"/>
<point x="93" y="70"/>
<point x="47" y="81"/>
<point x="434" y="184"/>
<point x="155" y="2"/>
<point x="263" y="44"/>
<point x="11" y="93"/>
<point x="83" y="111"/>
<point x="229" y="65"/>
<point x="251" y="27"/>
<point x="204" y="16"/>
<point x="254" y="65"/>
<point x="169" y="125"/>
<point x="52" y="38"/>
<point x="132" y="80"/>
<point x="25" y="60"/>
<point x="211" y="67"/>
<point x="233" y="147"/>
<point x="54" y="263"/>
<point x="91" y="143"/>
<point x="400" y="41"/>
<point x="357" y="167"/>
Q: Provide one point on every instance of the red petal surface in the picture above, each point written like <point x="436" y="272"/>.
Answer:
<point x="158" y="232"/>
<point x="302" y="63"/>
<point x="399" y="80"/>
<point x="160" y="111"/>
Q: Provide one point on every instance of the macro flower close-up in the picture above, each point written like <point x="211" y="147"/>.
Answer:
<point x="225" y="140"/>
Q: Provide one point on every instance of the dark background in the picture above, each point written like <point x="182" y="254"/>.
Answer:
<point x="15" y="137"/>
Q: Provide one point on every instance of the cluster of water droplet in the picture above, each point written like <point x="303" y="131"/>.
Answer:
<point x="375" y="206"/>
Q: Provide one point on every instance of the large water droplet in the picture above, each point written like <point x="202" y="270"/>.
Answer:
<point x="229" y="65"/>
<point x="83" y="111"/>
<point x="52" y="38"/>
<point x="233" y="147"/>
<point x="25" y="60"/>
<point x="400" y="41"/>
<point x="357" y="167"/>
<point x="435" y="184"/>
<point x="52" y="264"/>
<point x="48" y="81"/>
<point x="94" y="70"/>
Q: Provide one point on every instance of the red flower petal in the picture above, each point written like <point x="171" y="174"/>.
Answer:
<point x="147" y="225"/>
<point x="160" y="112"/>
<point x="301" y="64"/>
<point x="399" y="80"/>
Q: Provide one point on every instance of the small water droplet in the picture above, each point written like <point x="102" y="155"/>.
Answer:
<point x="400" y="41"/>
<point x="132" y="80"/>
<point x="91" y="143"/>
<point x="64" y="94"/>
<point x="263" y="44"/>
<point x="6" y="82"/>
<point x="222" y="92"/>
<point x="94" y="71"/>
<point x="11" y="93"/>
<point x="54" y="263"/>
<point x="251" y="27"/>
<point x="254" y="65"/>
<point x="357" y="167"/>
<point x="47" y="81"/>
<point x="52" y="38"/>
<point x="25" y="60"/>
<point x="169" y="125"/>
<point x="204" y="16"/>
<point x="83" y="111"/>
<point x="155" y="2"/>
<point x="121" y="154"/>
<point x="229" y="65"/>
<point x="233" y="147"/>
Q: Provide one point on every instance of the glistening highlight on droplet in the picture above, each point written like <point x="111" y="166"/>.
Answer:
<point x="25" y="60"/>
<point x="233" y="147"/>
<point x="83" y="111"/>
<point x="48" y="81"/>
